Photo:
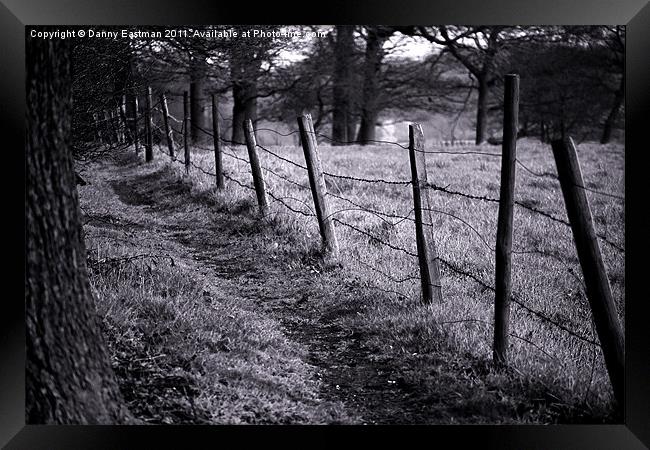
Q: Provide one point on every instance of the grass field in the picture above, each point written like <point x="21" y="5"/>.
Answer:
<point x="555" y="377"/>
<point x="551" y="284"/>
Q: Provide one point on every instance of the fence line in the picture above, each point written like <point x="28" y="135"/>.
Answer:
<point x="287" y="202"/>
<point x="555" y="177"/>
<point x="521" y="205"/>
<point x="429" y="185"/>
<point x="392" y="143"/>
<point x="517" y="301"/>
<point x="379" y="214"/>
<point x="448" y="265"/>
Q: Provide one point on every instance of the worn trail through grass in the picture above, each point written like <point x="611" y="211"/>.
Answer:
<point x="228" y="255"/>
<point x="316" y="310"/>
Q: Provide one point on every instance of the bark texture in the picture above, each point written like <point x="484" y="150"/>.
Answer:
<point x="371" y="87"/>
<point x="69" y="379"/>
<point x="244" y="71"/>
<point x="342" y="121"/>
<point x="198" y="102"/>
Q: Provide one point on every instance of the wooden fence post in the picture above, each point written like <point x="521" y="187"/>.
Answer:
<point x="598" y="290"/>
<point x="186" y="130"/>
<point x="148" y="155"/>
<point x="503" y="250"/>
<point x="168" y="129"/>
<point x="136" y="132"/>
<point x="424" y="238"/>
<point x="317" y="184"/>
<point x="216" y="137"/>
<point x="258" y="179"/>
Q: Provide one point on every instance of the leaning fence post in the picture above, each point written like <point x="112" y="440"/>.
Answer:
<point x="424" y="238"/>
<point x="317" y="183"/>
<point x="186" y="130"/>
<point x="258" y="179"/>
<point x="168" y="129"/>
<point x="148" y="155"/>
<point x="503" y="250"/>
<point x="216" y="133"/>
<point x="598" y="290"/>
<point x="136" y="135"/>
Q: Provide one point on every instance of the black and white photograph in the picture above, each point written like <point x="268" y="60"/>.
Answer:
<point x="325" y="224"/>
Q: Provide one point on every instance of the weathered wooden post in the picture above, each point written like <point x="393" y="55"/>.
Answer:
<point x="317" y="184"/>
<point x="186" y="130"/>
<point x="598" y="290"/>
<point x="216" y="137"/>
<point x="148" y="149"/>
<point x="168" y="129"/>
<point x="424" y="238"/>
<point x="258" y="179"/>
<point x="136" y="132"/>
<point x="503" y="251"/>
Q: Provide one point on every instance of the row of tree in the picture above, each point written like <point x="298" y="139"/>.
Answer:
<point x="354" y="77"/>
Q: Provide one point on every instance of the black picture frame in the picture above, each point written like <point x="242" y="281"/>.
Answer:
<point x="15" y="15"/>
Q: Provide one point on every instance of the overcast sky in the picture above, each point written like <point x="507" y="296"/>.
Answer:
<point x="397" y="46"/>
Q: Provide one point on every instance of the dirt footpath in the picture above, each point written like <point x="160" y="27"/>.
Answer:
<point x="223" y="243"/>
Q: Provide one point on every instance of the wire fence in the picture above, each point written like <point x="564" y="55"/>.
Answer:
<point x="571" y="329"/>
<point x="390" y="219"/>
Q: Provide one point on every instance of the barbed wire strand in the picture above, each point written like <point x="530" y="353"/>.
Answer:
<point x="447" y="264"/>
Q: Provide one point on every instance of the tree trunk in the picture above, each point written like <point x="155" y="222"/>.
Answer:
<point x="352" y="126"/>
<point x="121" y="85"/>
<point x="130" y="114"/>
<point x="482" y="110"/>
<point x="198" y="121"/>
<point x="69" y="379"/>
<point x="244" y="70"/>
<point x="371" y="72"/>
<point x="343" y="53"/>
<point x="244" y="107"/>
<point x="613" y="113"/>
